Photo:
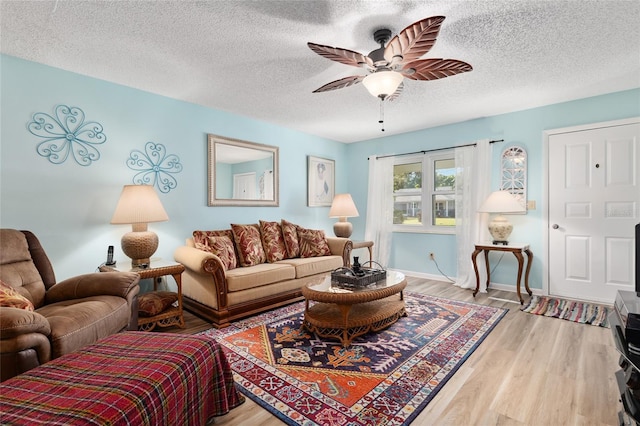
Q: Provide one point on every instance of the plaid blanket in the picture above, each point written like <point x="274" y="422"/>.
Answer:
<point x="131" y="378"/>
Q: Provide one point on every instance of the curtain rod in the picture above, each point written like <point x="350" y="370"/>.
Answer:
<point x="433" y="150"/>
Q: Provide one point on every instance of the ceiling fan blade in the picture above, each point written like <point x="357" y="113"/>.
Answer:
<point x="340" y="84"/>
<point x="433" y="69"/>
<point x="344" y="56"/>
<point x="415" y="40"/>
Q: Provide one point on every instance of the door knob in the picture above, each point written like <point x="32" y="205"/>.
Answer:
<point x="555" y="226"/>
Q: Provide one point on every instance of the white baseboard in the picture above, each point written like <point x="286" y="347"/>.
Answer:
<point x="494" y="286"/>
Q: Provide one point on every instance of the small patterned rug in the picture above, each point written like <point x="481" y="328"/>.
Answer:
<point x="571" y="310"/>
<point x="381" y="378"/>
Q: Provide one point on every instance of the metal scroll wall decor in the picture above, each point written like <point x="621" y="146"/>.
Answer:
<point x="67" y="134"/>
<point x="514" y="173"/>
<point x="155" y="167"/>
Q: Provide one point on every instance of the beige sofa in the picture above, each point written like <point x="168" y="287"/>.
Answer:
<point x="220" y="293"/>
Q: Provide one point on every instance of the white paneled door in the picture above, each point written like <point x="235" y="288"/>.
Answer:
<point x="594" y="202"/>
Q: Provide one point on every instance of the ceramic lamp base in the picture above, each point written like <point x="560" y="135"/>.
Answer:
<point x="343" y="229"/>
<point x="500" y="229"/>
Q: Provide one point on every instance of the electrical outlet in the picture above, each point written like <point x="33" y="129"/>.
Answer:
<point x="432" y="256"/>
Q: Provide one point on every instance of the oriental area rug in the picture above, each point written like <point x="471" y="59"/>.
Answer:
<point x="383" y="378"/>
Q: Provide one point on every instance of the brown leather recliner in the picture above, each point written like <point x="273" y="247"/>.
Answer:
<point x="67" y="316"/>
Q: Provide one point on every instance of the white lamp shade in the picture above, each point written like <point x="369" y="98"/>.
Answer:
<point x="139" y="204"/>
<point x="382" y="83"/>
<point x="343" y="206"/>
<point x="501" y="202"/>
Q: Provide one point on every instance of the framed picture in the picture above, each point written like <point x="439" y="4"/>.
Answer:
<point x="321" y="181"/>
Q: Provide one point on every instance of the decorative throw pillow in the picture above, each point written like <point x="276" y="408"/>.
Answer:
<point x="249" y="244"/>
<point x="290" y="235"/>
<point x="9" y="297"/>
<point x="223" y="248"/>
<point x="156" y="302"/>
<point x="272" y="241"/>
<point x="313" y="243"/>
<point x="202" y="242"/>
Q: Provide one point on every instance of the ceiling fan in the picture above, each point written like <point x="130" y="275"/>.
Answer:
<point x="389" y="65"/>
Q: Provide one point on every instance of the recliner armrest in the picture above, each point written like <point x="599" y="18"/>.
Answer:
<point x="15" y="322"/>
<point x="122" y="284"/>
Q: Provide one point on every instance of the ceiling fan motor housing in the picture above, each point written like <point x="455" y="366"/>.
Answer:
<point x="382" y="36"/>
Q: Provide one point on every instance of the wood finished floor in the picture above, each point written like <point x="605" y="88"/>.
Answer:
<point x="530" y="370"/>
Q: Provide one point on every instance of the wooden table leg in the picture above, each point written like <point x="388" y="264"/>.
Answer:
<point x="475" y="269"/>
<point x="178" y="278"/>
<point x="526" y="274"/>
<point x="486" y="262"/>
<point x="520" y="258"/>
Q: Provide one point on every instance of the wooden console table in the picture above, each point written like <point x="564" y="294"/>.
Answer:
<point x="517" y="250"/>
<point x="156" y="269"/>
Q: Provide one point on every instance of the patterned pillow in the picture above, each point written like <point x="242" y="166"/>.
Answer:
<point x="223" y="248"/>
<point x="290" y="235"/>
<point x="202" y="242"/>
<point x="312" y="243"/>
<point x="156" y="302"/>
<point x="272" y="241"/>
<point x="248" y="244"/>
<point x="9" y="297"/>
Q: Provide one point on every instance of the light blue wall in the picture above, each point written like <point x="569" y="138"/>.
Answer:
<point x="525" y="128"/>
<point x="69" y="206"/>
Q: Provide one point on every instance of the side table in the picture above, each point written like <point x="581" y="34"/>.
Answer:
<point x="156" y="269"/>
<point x="517" y="250"/>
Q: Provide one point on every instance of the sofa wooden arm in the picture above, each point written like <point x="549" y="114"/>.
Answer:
<point x="205" y="263"/>
<point x="341" y="247"/>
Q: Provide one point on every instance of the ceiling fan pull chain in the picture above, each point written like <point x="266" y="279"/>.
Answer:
<point x="381" y="121"/>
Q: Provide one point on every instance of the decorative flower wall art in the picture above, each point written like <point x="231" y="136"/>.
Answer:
<point x="155" y="167"/>
<point x="67" y="134"/>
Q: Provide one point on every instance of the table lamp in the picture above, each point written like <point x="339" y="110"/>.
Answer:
<point x="343" y="207"/>
<point x="139" y="205"/>
<point x="500" y="202"/>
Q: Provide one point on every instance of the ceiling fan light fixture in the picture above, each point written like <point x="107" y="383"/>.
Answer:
<point x="382" y="83"/>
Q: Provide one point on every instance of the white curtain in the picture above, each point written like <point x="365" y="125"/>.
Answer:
<point x="380" y="208"/>
<point x="473" y="185"/>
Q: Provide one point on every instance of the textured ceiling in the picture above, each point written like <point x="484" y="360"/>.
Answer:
<point x="251" y="57"/>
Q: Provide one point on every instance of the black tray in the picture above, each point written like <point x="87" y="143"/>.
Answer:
<point x="347" y="278"/>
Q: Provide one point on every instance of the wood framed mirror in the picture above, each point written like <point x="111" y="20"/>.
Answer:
<point x="242" y="173"/>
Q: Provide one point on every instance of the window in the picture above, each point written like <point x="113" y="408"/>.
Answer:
<point x="424" y="193"/>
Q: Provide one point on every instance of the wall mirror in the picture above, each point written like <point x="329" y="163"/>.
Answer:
<point x="242" y="173"/>
<point x="514" y="173"/>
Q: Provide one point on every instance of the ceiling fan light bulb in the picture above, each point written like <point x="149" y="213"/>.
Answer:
<point x="382" y="83"/>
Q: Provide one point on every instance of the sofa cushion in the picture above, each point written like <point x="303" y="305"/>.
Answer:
<point x="155" y="302"/>
<point x="9" y="297"/>
<point x="201" y="239"/>
<point x="272" y="241"/>
<point x="79" y="322"/>
<point x="290" y="236"/>
<point x="248" y="244"/>
<point x="259" y="275"/>
<point x="312" y="243"/>
<point x="18" y="268"/>
<point x="306" y="267"/>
